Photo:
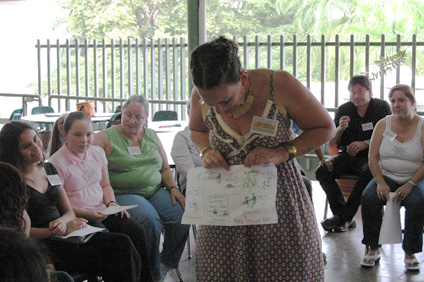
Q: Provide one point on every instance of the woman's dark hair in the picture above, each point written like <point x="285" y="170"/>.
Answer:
<point x="21" y="258"/>
<point x="13" y="195"/>
<point x="57" y="140"/>
<point x="215" y="62"/>
<point x="139" y="99"/>
<point x="9" y="142"/>
<point x="361" y="80"/>
<point x="72" y="117"/>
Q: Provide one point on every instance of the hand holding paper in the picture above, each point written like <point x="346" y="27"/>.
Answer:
<point x="391" y="231"/>
<point x="117" y="209"/>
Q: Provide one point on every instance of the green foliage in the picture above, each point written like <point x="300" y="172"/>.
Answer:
<point x="388" y="63"/>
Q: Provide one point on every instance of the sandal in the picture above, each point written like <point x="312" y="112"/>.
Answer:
<point x="374" y="258"/>
<point x="412" y="264"/>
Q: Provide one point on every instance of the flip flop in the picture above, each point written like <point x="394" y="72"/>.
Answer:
<point x="412" y="264"/>
<point x="368" y="257"/>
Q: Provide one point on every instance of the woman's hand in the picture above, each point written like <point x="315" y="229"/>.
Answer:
<point x="95" y="215"/>
<point x="261" y="155"/>
<point x="383" y="191"/>
<point x="57" y="227"/>
<point x="212" y="158"/>
<point x="402" y="192"/>
<point x="122" y="213"/>
<point x="76" y="224"/>
<point x="177" y="196"/>
<point x="327" y="163"/>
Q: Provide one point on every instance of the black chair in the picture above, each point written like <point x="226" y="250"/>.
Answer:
<point x="165" y="115"/>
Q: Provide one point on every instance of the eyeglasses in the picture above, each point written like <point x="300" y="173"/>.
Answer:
<point x="137" y="118"/>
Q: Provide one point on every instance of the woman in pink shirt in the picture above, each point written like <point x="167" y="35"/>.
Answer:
<point x="83" y="171"/>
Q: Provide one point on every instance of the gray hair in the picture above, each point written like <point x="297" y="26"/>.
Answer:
<point x="137" y="98"/>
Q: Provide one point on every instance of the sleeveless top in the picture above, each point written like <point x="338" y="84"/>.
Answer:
<point x="400" y="161"/>
<point x="134" y="174"/>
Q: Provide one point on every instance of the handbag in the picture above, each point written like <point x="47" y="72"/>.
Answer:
<point x="86" y="107"/>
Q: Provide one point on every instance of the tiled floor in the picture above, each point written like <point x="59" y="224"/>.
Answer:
<point x="344" y="253"/>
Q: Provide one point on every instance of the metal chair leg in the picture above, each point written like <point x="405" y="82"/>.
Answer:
<point x="179" y="274"/>
<point x="326" y="208"/>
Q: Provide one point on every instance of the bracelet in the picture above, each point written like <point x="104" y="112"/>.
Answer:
<point x="204" y="150"/>
<point x="170" y="188"/>
<point x="412" y="183"/>
<point x="107" y="205"/>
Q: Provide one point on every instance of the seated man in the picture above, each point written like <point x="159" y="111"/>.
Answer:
<point x="355" y="122"/>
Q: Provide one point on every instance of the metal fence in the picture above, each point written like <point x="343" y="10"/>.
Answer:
<point x="158" y="68"/>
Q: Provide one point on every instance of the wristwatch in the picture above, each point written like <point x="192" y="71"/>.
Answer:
<point x="291" y="149"/>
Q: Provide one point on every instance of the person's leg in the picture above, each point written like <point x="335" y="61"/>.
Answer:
<point x="414" y="220"/>
<point x="327" y="179"/>
<point x="176" y="233"/>
<point x="146" y="215"/>
<point x="137" y="234"/>
<point x="364" y="177"/>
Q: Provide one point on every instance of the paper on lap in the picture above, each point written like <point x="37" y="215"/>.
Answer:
<point x="116" y="209"/>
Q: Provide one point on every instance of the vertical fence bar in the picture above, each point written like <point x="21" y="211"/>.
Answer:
<point x="183" y="73"/>
<point x="113" y="70"/>
<point x="104" y="58"/>
<point x="282" y="52"/>
<point x="153" y="74"/>
<point x="382" y="55"/>
<point x="398" y="47"/>
<point x="167" y="73"/>
<point x="269" y="52"/>
<point x="160" y="72"/>
<point x="336" y="70"/>
<point x="145" y="68"/>
<point x="137" y="66"/>
<point x="130" y="67"/>
<point x="77" y="68"/>
<point x="295" y="55"/>
<point x="323" y="67"/>
<point x="175" y="87"/>
<point x="87" y="69"/>
<point x="308" y="61"/>
<point x="58" y="72"/>
<point x="68" y="73"/>
<point x="352" y="55"/>
<point x="49" y="70"/>
<point x="246" y="51"/>
<point x="414" y="60"/>
<point x="96" y="73"/>
<point x="40" y="85"/>
<point x="367" y="54"/>
<point x="257" y="52"/>
<point x="121" y="70"/>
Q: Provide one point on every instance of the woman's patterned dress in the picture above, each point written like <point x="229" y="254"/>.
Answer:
<point x="287" y="251"/>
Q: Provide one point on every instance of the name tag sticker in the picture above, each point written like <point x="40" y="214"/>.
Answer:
<point x="389" y="135"/>
<point x="264" y="126"/>
<point x="367" y="126"/>
<point x="54" y="179"/>
<point x="89" y="175"/>
<point x="134" y="150"/>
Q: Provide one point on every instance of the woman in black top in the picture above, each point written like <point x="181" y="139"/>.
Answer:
<point x="110" y="255"/>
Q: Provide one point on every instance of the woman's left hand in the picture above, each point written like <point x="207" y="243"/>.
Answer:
<point x="177" y="196"/>
<point x="122" y="213"/>
<point x="261" y="155"/>
<point x="402" y="192"/>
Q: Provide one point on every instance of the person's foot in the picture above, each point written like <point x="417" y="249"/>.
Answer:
<point x="330" y="223"/>
<point x="411" y="262"/>
<point x="371" y="258"/>
<point x="345" y="225"/>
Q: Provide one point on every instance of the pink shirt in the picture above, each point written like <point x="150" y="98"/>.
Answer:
<point x="81" y="178"/>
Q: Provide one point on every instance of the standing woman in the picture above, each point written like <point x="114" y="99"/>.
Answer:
<point x="110" y="255"/>
<point x="396" y="162"/>
<point x="225" y="101"/>
<point x="83" y="170"/>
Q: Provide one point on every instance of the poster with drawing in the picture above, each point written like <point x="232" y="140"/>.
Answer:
<point x="240" y="196"/>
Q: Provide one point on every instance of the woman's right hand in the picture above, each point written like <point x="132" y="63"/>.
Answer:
<point x="76" y="224"/>
<point x="96" y="216"/>
<point x="57" y="227"/>
<point x="383" y="191"/>
<point x="212" y="158"/>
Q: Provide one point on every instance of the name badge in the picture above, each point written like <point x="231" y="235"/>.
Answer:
<point x="54" y="179"/>
<point x="389" y="135"/>
<point x="264" y="126"/>
<point x="134" y="150"/>
<point x="367" y="126"/>
<point x="89" y="175"/>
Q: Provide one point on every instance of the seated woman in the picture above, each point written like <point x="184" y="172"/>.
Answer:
<point x="139" y="172"/>
<point x="396" y="162"/>
<point x="83" y="170"/>
<point x="110" y="255"/>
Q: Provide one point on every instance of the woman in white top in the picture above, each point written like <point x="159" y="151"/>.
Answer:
<point x="396" y="162"/>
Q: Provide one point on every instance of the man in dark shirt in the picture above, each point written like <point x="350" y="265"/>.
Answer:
<point x="355" y="122"/>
